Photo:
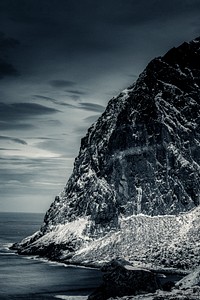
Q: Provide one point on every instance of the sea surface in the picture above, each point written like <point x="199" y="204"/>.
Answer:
<point x="24" y="278"/>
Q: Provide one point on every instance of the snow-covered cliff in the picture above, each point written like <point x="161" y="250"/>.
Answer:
<point x="140" y="157"/>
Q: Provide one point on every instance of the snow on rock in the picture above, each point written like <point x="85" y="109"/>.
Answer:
<point x="193" y="279"/>
<point x="168" y="241"/>
<point x="64" y="239"/>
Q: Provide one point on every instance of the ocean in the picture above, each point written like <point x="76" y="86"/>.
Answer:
<point x="24" y="278"/>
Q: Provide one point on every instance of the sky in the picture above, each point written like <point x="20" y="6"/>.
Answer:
<point x="61" y="61"/>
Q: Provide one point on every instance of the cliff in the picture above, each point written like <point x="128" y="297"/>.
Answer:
<point x="142" y="156"/>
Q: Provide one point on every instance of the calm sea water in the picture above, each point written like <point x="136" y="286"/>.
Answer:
<point x="27" y="278"/>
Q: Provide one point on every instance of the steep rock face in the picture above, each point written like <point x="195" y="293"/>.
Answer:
<point x="141" y="156"/>
<point x="88" y="192"/>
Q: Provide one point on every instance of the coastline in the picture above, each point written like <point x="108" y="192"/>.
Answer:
<point x="97" y="266"/>
<point x="69" y="263"/>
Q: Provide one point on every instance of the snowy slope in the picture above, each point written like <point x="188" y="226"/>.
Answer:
<point x="166" y="241"/>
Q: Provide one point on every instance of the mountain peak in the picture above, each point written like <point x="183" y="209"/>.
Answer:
<point x="186" y="55"/>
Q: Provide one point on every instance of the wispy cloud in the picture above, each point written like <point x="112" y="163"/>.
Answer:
<point x="81" y="105"/>
<point x="12" y="139"/>
<point x="76" y="92"/>
<point x="15" y="126"/>
<point x="16" y="111"/>
<point x="44" y="98"/>
<point x="92" y="107"/>
<point x="55" y="101"/>
<point x="8" y="149"/>
<point x="91" y="119"/>
<point x="86" y="106"/>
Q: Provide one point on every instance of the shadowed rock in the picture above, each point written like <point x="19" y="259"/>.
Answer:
<point x="122" y="279"/>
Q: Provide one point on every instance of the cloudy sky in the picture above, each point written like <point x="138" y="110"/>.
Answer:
<point x="60" y="63"/>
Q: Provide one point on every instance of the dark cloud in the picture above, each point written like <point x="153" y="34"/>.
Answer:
<point x="44" y="98"/>
<point x="7" y="42"/>
<point x="57" y="102"/>
<point x="66" y="104"/>
<point x="45" y="138"/>
<point x="8" y="149"/>
<point x="52" y="100"/>
<point x="12" y="139"/>
<point x="17" y="111"/>
<point x="85" y="106"/>
<point x="155" y="11"/>
<point x="85" y="27"/>
<point x="15" y="125"/>
<point x="82" y="105"/>
<point x="8" y="176"/>
<point x="92" y="107"/>
<point x="75" y="97"/>
<point x="76" y="92"/>
<point x="53" y="123"/>
<point x="61" y="83"/>
<point x="6" y="68"/>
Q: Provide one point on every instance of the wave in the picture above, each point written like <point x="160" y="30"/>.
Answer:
<point x="56" y="263"/>
<point x="5" y="246"/>
<point x="7" y="253"/>
<point x="5" y="249"/>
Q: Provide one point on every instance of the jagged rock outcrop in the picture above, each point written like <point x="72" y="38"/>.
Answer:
<point x="122" y="279"/>
<point x="187" y="288"/>
<point x="141" y="156"/>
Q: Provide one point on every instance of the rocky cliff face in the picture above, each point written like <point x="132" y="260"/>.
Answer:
<point x="141" y="156"/>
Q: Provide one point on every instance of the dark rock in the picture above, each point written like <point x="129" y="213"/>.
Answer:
<point x="167" y="286"/>
<point x="143" y="154"/>
<point x="122" y="279"/>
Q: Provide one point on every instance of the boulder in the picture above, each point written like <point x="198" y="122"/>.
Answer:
<point x="122" y="279"/>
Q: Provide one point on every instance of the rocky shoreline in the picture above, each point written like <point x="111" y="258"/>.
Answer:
<point x="129" y="280"/>
<point x="121" y="280"/>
